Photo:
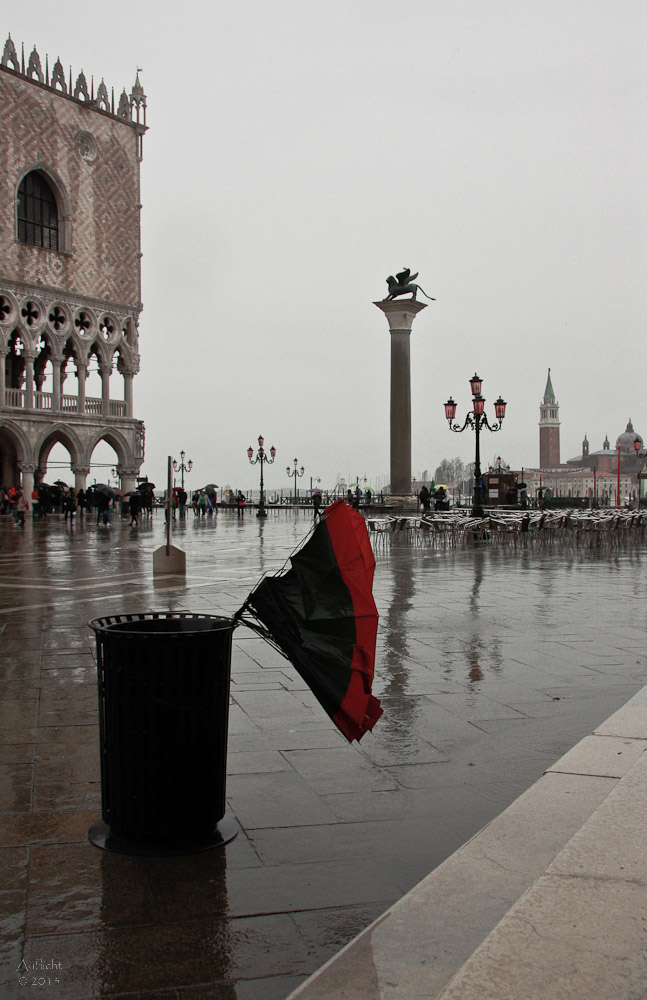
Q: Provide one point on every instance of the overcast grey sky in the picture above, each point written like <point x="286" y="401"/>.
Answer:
<point x="300" y="152"/>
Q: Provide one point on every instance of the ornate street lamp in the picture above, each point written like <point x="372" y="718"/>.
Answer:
<point x="641" y="472"/>
<point x="181" y="467"/>
<point x="295" y="472"/>
<point x="476" y="419"/>
<point x="261" y="457"/>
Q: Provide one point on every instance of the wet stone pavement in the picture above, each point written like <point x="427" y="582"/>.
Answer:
<point x="491" y="664"/>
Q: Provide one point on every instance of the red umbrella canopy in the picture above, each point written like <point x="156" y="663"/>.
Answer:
<point x="321" y="615"/>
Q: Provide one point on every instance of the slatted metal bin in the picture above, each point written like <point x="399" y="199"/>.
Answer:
<point x="163" y="716"/>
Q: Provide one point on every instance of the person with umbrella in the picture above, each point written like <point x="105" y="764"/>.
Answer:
<point x="440" y="498"/>
<point x="102" y="503"/>
<point x="102" y="497"/>
<point x="69" y="505"/>
<point x="146" y="489"/>
<point x="134" y="508"/>
<point x="210" y="489"/>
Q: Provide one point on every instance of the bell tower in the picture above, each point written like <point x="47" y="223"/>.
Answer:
<point x="549" y="429"/>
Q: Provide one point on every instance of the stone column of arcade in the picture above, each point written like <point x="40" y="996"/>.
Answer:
<point x="105" y="371"/>
<point x="81" y="374"/>
<point x="127" y="478"/>
<point x="27" y="480"/>
<point x="29" y="381"/>
<point x="81" y="473"/>
<point x="400" y="316"/>
<point x="58" y="380"/>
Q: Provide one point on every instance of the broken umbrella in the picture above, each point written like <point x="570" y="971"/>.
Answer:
<point x="320" y="614"/>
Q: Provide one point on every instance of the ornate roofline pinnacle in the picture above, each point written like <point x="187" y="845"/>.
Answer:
<point x="131" y="108"/>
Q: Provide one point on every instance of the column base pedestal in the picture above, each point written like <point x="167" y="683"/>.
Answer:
<point x="400" y="504"/>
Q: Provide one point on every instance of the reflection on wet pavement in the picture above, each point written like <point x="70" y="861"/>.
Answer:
<point x="491" y="664"/>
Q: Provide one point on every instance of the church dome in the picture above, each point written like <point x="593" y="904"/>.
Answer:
<point x="626" y="440"/>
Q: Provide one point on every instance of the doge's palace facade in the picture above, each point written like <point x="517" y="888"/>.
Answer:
<point x="70" y="268"/>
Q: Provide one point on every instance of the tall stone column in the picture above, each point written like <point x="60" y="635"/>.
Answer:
<point x="400" y="314"/>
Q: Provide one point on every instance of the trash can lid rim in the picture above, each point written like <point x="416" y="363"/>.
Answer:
<point x="107" y="623"/>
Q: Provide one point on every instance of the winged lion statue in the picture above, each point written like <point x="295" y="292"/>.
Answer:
<point x="404" y="284"/>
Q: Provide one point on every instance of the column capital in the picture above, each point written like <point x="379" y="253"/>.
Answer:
<point x="81" y="470"/>
<point x="400" y="313"/>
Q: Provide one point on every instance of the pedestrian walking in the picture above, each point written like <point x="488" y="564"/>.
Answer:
<point x="22" y="508"/>
<point x="102" y="503"/>
<point x="134" y="509"/>
<point x="69" y="505"/>
<point x="424" y="497"/>
<point x="35" y="503"/>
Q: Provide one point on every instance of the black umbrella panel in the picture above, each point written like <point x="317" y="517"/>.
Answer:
<point x="321" y="615"/>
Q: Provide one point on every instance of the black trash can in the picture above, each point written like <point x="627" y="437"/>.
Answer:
<point x="163" y="716"/>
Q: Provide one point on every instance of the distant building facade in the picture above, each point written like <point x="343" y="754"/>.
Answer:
<point x="70" y="274"/>
<point x="607" y="459"/>
<point x="591" y="475"/>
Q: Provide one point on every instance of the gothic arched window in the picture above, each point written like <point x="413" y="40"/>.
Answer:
<point x="37" y="213"/>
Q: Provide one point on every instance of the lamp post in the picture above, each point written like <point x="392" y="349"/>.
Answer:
<point x="641" y="473"/>
<point x="618" y="481"/>
<point x="296" y="473"/>
<point x="261" y="457"/>
<point x="476" y="419"/>
<point x="181" y="467"/>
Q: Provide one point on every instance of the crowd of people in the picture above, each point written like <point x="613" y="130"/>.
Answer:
<point x="101" y="500"/>
<point x="439" y="496"/>
<point x="61" y="499"/>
